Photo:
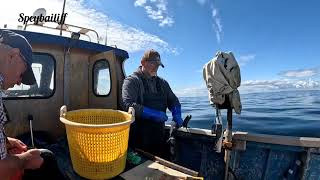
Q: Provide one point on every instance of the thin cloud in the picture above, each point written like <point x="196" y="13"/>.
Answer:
<point x="243" y="60"/>
<point x="300" y="73"/>
<point x="201" y="2"/>
<point x="176" y="51"/>
<point x="119" y="34"/>
<point x="253" y="86"/>
<point x="276" y="85"/>
<point x="216" y="23"/>
<point x="156" y="10"/>
<point x="140" y="3"/>
<point x="192" y="91"/>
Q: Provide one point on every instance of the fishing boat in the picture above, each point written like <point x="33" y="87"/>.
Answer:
<point x="84" y="74"/>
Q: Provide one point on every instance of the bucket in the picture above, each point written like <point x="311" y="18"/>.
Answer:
<point x="98" y="140"/>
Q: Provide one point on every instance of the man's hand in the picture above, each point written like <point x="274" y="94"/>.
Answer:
<point x="15" y="146"/>
<point x="178" y="120"/>
<point x="32" y="159"/>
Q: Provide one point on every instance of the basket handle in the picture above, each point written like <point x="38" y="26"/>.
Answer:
<point x="63" y="111"/>
<point x="132" y="112"/>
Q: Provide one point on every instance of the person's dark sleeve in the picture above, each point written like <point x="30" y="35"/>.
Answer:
<point x="130" y="95"/>
<point x="172" y="98"/>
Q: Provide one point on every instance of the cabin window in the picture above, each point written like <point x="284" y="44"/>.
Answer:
<point x="43" y="67"/>
<point x="101" y="78"/>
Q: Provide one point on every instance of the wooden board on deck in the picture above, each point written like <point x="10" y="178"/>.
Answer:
<point x="154" y="171"/>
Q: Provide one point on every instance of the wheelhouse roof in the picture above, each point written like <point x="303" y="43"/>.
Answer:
<point x="41" y="38"/>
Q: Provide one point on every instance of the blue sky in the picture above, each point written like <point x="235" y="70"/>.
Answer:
<point x="276" y="43"/>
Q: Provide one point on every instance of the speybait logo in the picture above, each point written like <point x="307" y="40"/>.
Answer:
<point x="40" y="18"/>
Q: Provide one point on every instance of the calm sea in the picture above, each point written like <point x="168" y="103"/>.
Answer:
<point x="293" y="113"/>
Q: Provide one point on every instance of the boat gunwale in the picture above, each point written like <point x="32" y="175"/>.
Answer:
<point x="311" y="142"/>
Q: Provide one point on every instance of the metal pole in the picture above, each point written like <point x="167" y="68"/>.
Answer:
<point x="218" y="130"/>
<point x="228" y="139"/>
<point x="105" y="42"/>
<point x="30" y="118"/>
<point x="64" y="4"/>
<point x="106" y="39"/>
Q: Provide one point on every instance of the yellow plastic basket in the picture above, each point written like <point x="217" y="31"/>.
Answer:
<point x="98" y="140"/>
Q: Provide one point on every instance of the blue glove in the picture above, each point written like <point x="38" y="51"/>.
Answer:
<point x="154" y="115"/>
<point x="176" y="114"/>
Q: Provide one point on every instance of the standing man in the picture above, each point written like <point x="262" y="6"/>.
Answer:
<point x="150" y="96"/>
<point x="15" y="68"/>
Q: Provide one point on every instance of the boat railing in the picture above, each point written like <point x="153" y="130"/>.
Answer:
<point x="311" y="142"/>
<point x="66" y="28"/>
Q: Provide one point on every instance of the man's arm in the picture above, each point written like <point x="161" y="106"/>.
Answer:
<point x="172" y="98"/>
<point x="174" y="105"/>
<point x="130" y="95"/>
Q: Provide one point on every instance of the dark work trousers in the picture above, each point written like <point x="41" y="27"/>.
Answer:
<point x="146" y="134"/>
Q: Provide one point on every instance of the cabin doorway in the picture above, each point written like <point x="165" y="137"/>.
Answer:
<point x="102" y="81"/>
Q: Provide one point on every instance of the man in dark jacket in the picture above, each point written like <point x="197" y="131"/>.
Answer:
<point x="150" y="96"/>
